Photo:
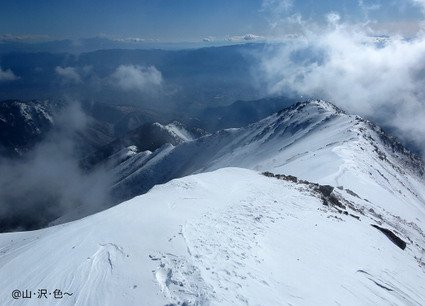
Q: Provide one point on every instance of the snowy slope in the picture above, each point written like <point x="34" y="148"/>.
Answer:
<point x="228" y="237"/>
<point x="182" y="132"/>
<point x="232" y="236"/>
<point x="314" y="141"/>
<point x="147" y="137"/>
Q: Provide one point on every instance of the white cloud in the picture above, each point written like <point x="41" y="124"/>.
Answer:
<point x="130" y="77"/>
<point x="370" y="7"/>
<point x="275" y="9"/>
<point x="129" y="39"/>
<point x="278" y="5"/>
<point x="244" y="37"/>
<point x="382" y="79"/>
<point x="49" y="182"/>
<point x="208" y="39"/>
<point x="69" y="74"/>
<point x="136" y="39"/>
<point x="421" y="3"/>
<point x="7" y="75"/>
<point x="252" y="37"/>
<point x="333" y="18"/>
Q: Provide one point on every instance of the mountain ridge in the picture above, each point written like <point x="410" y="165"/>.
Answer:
<point x="231" y="236"/>
<point x="226" y="147"/>
<point x="337" y="217"/>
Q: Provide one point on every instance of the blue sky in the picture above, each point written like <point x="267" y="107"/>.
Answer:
<point x="185" y="20"/>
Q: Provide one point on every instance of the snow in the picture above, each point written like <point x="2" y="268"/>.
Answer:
<point x="176" y="130"/>
<point x="224" y="234"/>
<point x="33" y="111"/>
<point x="314" y="141"/>
<point x="179" y="131"/>
<point x="122" y="155"/>
<point x="228" y="237"/>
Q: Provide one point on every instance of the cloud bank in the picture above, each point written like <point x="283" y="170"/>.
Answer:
<point x="49" y="182"/>
<point x="136" y="78"/>
<point x="7" y="75"/>
<point x="69" y="74"/>
<point x="208" y="39"/>
<point x="246" y="37"/>
<point x="347" y="64"/>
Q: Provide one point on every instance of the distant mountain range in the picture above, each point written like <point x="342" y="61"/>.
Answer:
<point x="191" y="77"/>
<point x="94" y="44"/>
<point x="26" y="123"/>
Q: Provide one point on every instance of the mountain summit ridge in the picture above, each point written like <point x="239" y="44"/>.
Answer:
<point x="279" y="143"/>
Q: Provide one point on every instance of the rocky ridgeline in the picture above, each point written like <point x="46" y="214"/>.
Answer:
<point x="329" y="199"/>
<point x="325" y="191"/>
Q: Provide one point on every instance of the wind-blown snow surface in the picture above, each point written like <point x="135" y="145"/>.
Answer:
<point x="228" y="237"/>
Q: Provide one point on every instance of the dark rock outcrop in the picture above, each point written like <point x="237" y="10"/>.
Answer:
<point x="325" y="190"/>
<point x="393" y="237"/>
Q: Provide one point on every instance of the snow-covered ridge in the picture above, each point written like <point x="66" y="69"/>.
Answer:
<point x="313" y="140"/>
<point x="180" y="132"/>
<point x="228" y="237"/>
<point x="32" y="111"/>
<point x="220" y="235"/>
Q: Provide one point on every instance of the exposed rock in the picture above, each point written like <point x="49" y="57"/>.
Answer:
<point x="393" y="237"/>
<point x="354" y="216"/>
<point x="268" y="174"/>
<point x="290" y="178"/>
<point x="325" y="201"/>
<point x="350" y="192"/>
<point x="334" y="200"/>
<point x="326" y="190"/>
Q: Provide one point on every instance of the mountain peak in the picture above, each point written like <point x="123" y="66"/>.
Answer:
<point x="310" y="105"/>
<point x="328" y="106"/>
<point x="313" y="140"/>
